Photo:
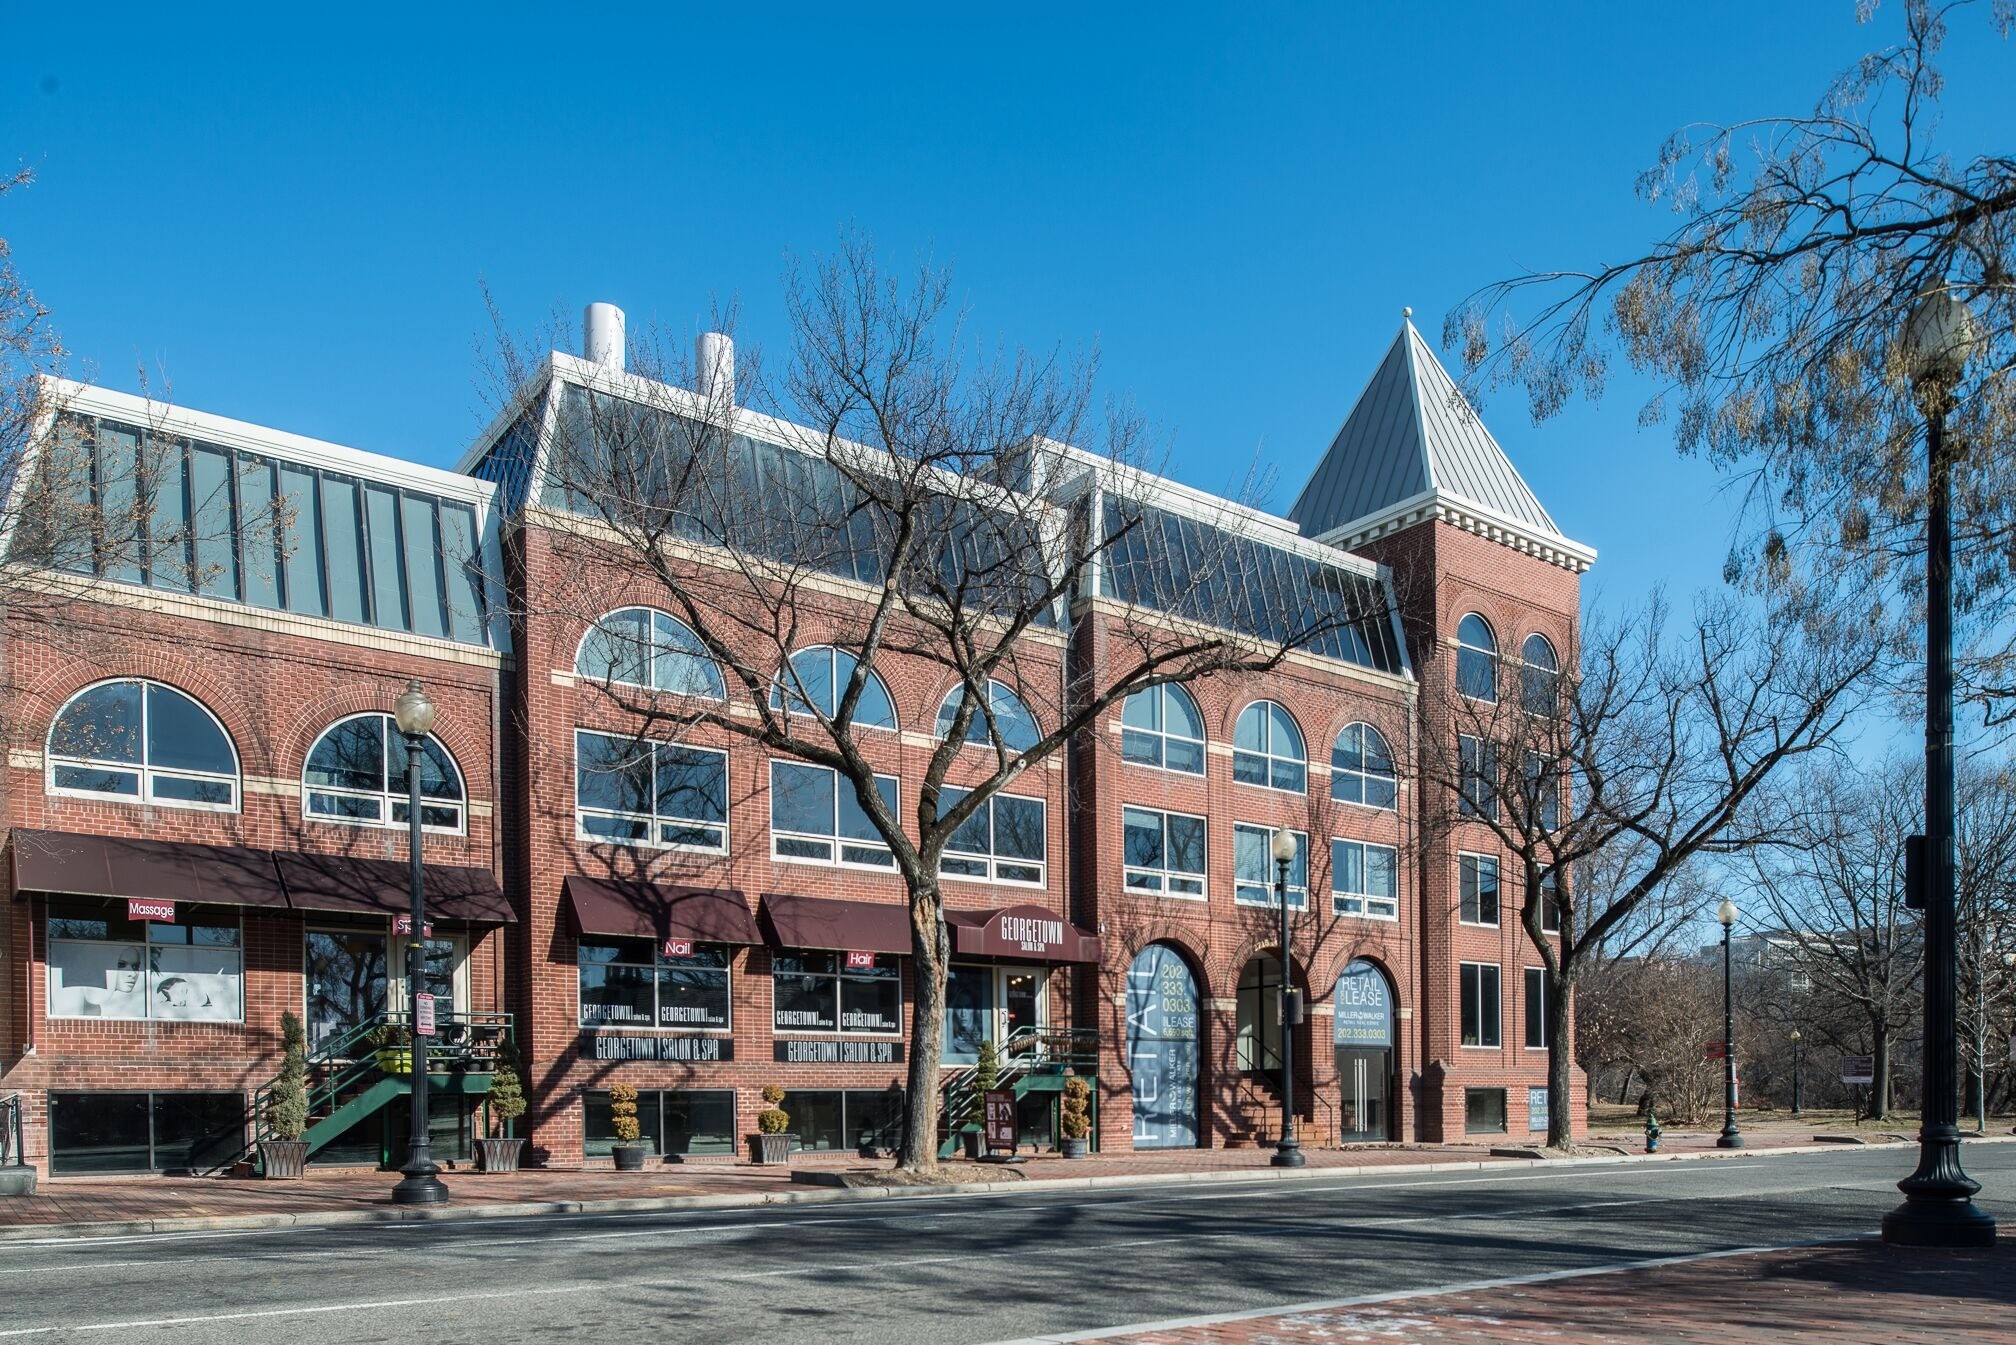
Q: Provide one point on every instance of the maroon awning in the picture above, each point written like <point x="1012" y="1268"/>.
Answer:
<point x="1021" y="932"/>
<point x="72" y="864"/>
<point x="837" y="923"/>
<point x="382" y="887"/>
<point x="629" y="909"/>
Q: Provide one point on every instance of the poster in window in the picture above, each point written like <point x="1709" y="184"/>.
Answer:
<point x="195" y="983"/>
<point x="97" y="980"/>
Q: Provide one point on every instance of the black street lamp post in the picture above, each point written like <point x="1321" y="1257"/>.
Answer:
<point x="421" y="1183"/>
<point x="1795" y="1071"/>
<point x="1288" y="1151"/>
<point x="1938" y="1208"/>
<point x="1731" y="1137"/>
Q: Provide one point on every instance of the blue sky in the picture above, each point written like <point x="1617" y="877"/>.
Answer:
<point x="287" y="218"/>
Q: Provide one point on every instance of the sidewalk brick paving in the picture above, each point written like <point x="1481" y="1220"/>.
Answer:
<point x="1860" y="1293"/>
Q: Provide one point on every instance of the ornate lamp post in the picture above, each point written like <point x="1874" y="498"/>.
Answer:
<point x="1938" y="1208"/>
<point x="1288" y="1152"/>
<point x="1795" y="1071"/>
<point x="1731" y="1137"/>
<point x="421" y="1183"/>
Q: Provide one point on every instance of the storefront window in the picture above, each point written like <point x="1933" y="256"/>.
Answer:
<point x="144" y="1132"/>
<point x="818" y="992"/>
<point x="102" y="965"/>
<point x="633" y="983"/>
<point x="825" y="1119"/>
<point x="671" y="1121"/>
<point x="346" y="981"/>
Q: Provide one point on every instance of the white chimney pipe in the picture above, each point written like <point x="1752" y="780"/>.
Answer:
<point x="714" y="367"/>
<point x="602" y="335"/>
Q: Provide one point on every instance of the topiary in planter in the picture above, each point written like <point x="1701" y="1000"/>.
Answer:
<point x="285" y="1153"/>
<point x="507" y="1103"/>
<point x="772" y="1143"/>
<point x="1074" y="1122"/>
<point x="629" y="1154"/>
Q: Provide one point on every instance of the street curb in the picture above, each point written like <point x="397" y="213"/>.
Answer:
<point x="849" y="1195"/>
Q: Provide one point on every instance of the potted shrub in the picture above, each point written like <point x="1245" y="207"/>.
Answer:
<point x="394" y="1048"/>
<point x="286" y="1153"/>
<point x="1074" y="1119"/>
<point x="500" y="1152"/>
<point x="986" y="1078"/>
<point x="773" y="1142"/>
<point x="628" y="1153"/>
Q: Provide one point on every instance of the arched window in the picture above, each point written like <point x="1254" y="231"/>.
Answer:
<point x="1017" y="725"/>
<point x="643" y="647"/>
<point x="818" y="677"/>
<point x="1540" y="679"/>
<point x="145" y="743"/>
<point x="356" y="773"/>
<point x="1267" y="749"/>
<point x="1476" y="659"/>
<point x="1361" y="768"/>
<point x="1162" y="727"/>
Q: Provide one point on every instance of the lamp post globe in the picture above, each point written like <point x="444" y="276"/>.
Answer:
<point x="1731" y="1137"/>
<point x="420" y="1179"/>
<point x="1288" y="1149"/>
<point x="1939" y="339"/>
<point x="414" y="711"/>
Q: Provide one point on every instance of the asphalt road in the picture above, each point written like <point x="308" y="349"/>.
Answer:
<point x="939" y="1270"/>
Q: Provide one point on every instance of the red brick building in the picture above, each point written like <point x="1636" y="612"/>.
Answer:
<point x="682" y="911"/>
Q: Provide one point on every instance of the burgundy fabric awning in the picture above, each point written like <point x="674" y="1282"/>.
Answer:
<point x="382" y="887"/>
<point x="837" y="923"/>
<point x="1021" y="932"/>
<point x="627" y="908"/>
<point x="72" y="864"/>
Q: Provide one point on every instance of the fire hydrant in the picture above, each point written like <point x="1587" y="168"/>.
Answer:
<point x="1651" y="1132"/>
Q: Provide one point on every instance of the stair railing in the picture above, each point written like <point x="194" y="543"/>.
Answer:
<point x="1027" y="1051"/>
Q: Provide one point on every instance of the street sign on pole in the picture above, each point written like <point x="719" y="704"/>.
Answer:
<point x="423" y="1015"/>
<point x="1858" y="1069"/>
<point x="1715" y="1050"/>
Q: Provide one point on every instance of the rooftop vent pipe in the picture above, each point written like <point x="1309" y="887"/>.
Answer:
<point x="602" y="335"/>
<point x="714" y="367"/>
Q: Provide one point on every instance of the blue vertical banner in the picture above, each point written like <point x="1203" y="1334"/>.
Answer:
<point x="1364" y="1008"/>
<point x="1162" y="1052"/>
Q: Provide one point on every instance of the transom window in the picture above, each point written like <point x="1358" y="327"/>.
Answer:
<point x="643" y="647"/>
<point x="1365" y="880"/>
<point x="1476" y="659"/>
<point x="1253" y="868"/>
<point x="1361" y="768"/>
<point x="1267" y="749"/>
<point x="145" y="743"/>
<point x="1012" y="718"/>
<point x="632" y="983"/>
<point x="356" y="773"/>
<point x="817" y="678"/>
<point x="1540" y="678"/>
<point x="1003" y="842"/>
<point x="1162" y="727"/>
<point x="1163" y="852"/>
<point x="815" y="817"/>
<point x="1477" y="880"/>
<point x="645" y="793"/>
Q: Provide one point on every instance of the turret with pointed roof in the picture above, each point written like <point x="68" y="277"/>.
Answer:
<point x="1413" y="449"/>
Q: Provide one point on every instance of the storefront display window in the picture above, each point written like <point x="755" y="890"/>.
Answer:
<point x="820" y="992"/>
<point x="825" y="1119"/>
<point x="144" y="1132"/>
<point x="103" y="965"/>
<point x="635" y="983"/>
<point x="672" y="1121"/>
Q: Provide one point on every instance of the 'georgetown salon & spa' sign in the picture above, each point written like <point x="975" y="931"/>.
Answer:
<point x="652" y="1046"/>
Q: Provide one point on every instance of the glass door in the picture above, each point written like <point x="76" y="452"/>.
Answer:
<point x="346" y="981"/>
<point x="1361" y="1077"/>
<point x="1020" y="994"/>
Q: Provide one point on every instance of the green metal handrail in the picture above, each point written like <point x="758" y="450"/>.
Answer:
<point x="1030" y="1050"/>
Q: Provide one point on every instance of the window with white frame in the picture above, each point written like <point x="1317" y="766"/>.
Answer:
<point x="1539" y="990"/>
<point x="1540" y="677"/>
<point x="1267" y="749"/>
<point x="1163" y="852"/>
<point x="1013" y="719"/>
<point x="1479" y="981"/>
<point x="643" y="647"/>
<point x="1253" y="867"/>
<point x="142" y="742"/>
<point x="1477" y="780"/>
<point x="826" y="992"/>
<point x="634" y="983"/>
<point x="1543" y="792"/>
<point x="1163" y="727"/>
<point x="1365" y="880"/>
<point x="1361" y="768"/>
<point x="1004" y="841"/>
<point x="816" y="818"/>
<point x="664" y="795"/>
<point x="104" y="965"/>
<point x="1477" y="882"/>
<point x="816" y="679"/>
<point x="356" y="773"/>
<point x="1476" y="659"/>
<point x="1550" y="901"/>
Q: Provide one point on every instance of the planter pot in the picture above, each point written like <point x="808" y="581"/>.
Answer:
<point x="500" y="1155"/>
<point x="971" y="1139"/>
<point x="629" y="1157"/>
<point x="770" y="1149"/>
<point x="283" y="1158"/>
<point x="1074" y="1148"/>
<point x="395" y="1061"/>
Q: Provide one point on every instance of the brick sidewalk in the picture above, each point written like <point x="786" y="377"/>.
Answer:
<point x="1861" y="1293"/>
<point x="87" y="1200"/>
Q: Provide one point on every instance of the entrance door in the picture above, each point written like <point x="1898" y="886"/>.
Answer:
<point x="442" y="975"/>
<point x="1021" y="996"/>
<point x="1363" y="1006"/>
<point x="1361" y="1076"/>
<point x="346" y="981"/>
<point x="1259" y="1021"/>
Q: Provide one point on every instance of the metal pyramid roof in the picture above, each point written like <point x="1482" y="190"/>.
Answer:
<point x="1413" y="439"/>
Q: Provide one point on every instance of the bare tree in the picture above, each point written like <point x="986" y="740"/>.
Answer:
<point x="1768" y="320"/>
<point x="1646" y="1012"/>
<point x="1986" y="894"/>
<point x="922" y="510"/>
<point x="1653" y="756"/>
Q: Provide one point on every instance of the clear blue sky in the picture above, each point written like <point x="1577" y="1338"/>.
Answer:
<point x="287" y="214"/>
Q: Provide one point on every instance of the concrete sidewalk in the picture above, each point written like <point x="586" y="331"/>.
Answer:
<point x="1859" y="1293"/>
<point x="120" y="1205"/>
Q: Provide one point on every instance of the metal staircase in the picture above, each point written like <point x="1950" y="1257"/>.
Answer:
<point x="349" y="1079"/>
<point x="1032" y="1060"/>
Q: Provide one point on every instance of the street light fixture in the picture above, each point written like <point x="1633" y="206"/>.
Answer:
<point x="421" y="1183"/>
<point x="1731" y="1137"/>
<point x="1795" y="1071"/>
<point x="1938" y="1208"/>
<point x="1288" y="1151"/>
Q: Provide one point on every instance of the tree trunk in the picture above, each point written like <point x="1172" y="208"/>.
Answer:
<point x="1879" y="1090"/>
<point x="1560" y="1066"/>
<point x="930" y="949"/>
